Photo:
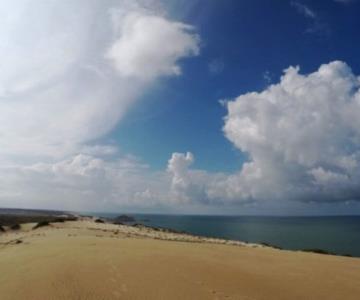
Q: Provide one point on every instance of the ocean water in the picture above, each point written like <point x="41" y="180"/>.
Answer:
<point x="336" y="234"/>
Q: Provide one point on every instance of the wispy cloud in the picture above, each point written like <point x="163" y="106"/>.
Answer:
<point x="304" y="10"/>
<point x="267" y="76"/>
<point x="216" y="66"/>
<point x="316" y="24"/>
<point x="66" y="82"/>
<point x="344" y="1"/>
<point x="68" y="79"/>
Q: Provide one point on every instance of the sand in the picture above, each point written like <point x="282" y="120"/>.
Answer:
<point x="88" y="260"/>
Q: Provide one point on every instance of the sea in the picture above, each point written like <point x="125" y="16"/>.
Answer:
<point x="334" y="234"/>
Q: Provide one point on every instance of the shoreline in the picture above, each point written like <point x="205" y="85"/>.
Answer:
<point x="158" y="233"/>
<point x="136" y="230"/>
<point x="251" y="244"/>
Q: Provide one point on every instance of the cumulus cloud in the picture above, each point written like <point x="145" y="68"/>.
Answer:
<point x="302" y="138"/>
<point x="178" y="166"/>
<point x="149" y="46"/>
<point x="302" y="134"/>
<point x="191" y="185"/>
<point x="67" y="82"/>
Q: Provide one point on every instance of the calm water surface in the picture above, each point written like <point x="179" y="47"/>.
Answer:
<point x="340" y="234"/>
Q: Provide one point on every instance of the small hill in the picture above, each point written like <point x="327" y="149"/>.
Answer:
<point x="123" y="219"/>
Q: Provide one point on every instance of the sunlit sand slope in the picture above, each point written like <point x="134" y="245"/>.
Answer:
<point x="86" y="260"/>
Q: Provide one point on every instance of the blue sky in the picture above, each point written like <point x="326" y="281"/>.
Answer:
<point x="249" y="39"/>
<point x="216" y="107"/>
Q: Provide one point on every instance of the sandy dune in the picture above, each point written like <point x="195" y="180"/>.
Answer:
<point x="87" y="260"/>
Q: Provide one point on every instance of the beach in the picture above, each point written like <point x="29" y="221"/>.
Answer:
<point x="88" y="260"/>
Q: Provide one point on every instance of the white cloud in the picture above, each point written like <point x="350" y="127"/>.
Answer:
<point x="150" y="46"/>
<point x="191" y="185"/>
<point x="66" y="82"/>
<point x="58" y="91"/>
<point x="302" y="137"/>
<point x="302" y="133"/>
<point x="82" y="182"/>
<point x="64" y="86"/>
<point x="181" y="182"/>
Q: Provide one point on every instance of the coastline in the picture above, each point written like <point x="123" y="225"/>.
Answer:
<point x="133" y="227"/>
<point x="135" y="230"/>
<point x="84" y="259"/>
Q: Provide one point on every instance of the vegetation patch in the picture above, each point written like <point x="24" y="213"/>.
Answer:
<point x="12" y="219"/>
<point x="319" y="251"/>
<point x="118" y="223"/>
<point x="41" y="224"/>
<point x="271" y="246"/>
<point x="15" y="227"/>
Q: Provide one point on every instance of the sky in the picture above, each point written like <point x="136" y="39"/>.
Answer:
<point x="182" y="107"/>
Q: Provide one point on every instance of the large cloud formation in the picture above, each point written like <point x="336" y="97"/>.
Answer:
<point x="70" y="70"/>
<point x="75" y="79"/>
<point x="303" y="134"/>
<point x="302" y="137"/>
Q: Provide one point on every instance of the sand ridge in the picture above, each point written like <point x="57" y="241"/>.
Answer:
<point x="88" y="260"/>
